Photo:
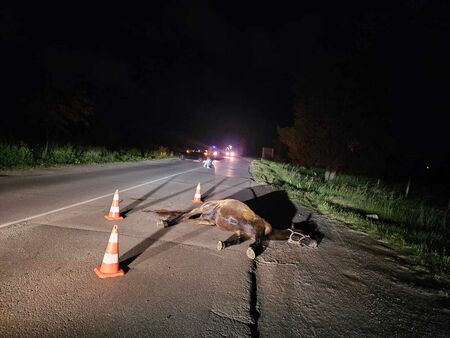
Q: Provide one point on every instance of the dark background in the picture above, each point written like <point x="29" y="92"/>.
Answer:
<point x="175" y="73"/>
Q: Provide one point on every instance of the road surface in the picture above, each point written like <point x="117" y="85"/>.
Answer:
<point x="53" y="234"/>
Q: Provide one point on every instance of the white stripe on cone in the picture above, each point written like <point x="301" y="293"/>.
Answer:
<point x="114" y="209"/>
<point x="114" y="238"/>
<point x="111" y="258"/>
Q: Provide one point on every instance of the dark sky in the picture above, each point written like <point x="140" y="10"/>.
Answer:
<point x="227" y="71"/>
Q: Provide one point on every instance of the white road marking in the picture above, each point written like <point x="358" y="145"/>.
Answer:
<point x="91" y="200"/>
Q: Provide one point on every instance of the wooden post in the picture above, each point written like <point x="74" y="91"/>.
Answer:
<point x="327" y="175"/>
<point x="407" y="188"/>
<point x="267" y="153"/>
<point x="445" y="215"/>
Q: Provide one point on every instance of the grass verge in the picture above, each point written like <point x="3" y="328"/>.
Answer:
<point x="22" y="156"/>
<point x="409" y="226"/>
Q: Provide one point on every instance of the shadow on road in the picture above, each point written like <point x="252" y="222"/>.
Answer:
<point x="310" y="228"/>
<point x="128" y="257"/>
<point x="144" y="247"/>
<point x="130" y="207"/>
<point x="210" y="191"/>
<point x="277" y="209"/>
<point x="137" y="205"/>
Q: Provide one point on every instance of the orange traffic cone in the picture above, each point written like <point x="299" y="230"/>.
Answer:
<point x="110" y="264"/>
<point x="114" y="213"/>
<point x="198" y="195"/>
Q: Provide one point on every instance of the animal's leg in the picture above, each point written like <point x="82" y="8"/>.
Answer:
<point x="257" y="247"/>
<point x="164" y="223"/>
<point x="169" y="222"/>
<point x="279" y="234"/>
<point x="179" y="218"/>
<point x="234" y="239"/>
<point x="199" y="221"/>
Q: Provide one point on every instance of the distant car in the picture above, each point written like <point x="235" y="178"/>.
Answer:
<point x="229" y="151"/>
<point x="193" y="154"/>
<point x="214" y="153"/>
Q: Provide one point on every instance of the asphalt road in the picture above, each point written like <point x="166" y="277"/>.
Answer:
<point x="53" y="234"/>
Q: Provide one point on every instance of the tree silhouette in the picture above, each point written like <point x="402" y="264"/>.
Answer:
<point x="60" y="111"/>
<point x="338" y="121"/>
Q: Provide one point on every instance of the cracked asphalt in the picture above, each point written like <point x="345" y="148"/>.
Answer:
<point x="176" y="282"/>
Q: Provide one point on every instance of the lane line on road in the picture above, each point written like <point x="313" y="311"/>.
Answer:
<point x="90" y="200"/>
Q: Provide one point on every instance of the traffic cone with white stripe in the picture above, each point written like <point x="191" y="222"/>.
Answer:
<point x="197" y="195"/>
<point x="114" y="213"/>
<point x="110" y="264"/>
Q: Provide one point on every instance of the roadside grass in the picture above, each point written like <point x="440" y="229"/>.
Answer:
<point x="410" y="226"/>
<point x="23" y="156"/>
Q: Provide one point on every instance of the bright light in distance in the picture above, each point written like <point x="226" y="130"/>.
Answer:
<point x="188" y="151"/>
<point x="232" y="153"/>
<point x="215" y="153"/>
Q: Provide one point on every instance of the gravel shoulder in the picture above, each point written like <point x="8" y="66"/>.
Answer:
<point x="351" y="285"/>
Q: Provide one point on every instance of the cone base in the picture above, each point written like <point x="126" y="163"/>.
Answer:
<point x="107" y="275"/>
<point x="109" y="218"/>
<point x="197" y="201"/>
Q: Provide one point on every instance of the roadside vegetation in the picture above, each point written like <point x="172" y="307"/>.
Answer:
<point x="411" y="226"/>
<point x="23" y="156"/>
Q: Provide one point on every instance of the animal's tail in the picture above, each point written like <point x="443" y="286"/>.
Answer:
<point x="169" y="213"/>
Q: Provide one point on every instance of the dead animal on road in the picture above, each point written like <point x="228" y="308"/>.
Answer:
<point x="235" y="216"/>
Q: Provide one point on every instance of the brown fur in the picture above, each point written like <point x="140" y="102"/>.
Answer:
<point x="229" y="215"/>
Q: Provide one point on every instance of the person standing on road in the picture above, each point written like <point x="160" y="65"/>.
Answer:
<point x="208" y="162"/>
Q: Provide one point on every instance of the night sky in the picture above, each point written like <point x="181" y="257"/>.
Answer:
<point x="182" y="72"/>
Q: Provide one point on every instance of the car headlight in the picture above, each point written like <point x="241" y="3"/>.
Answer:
<point x="215" y="153"/>
<point x="232" y="153"/>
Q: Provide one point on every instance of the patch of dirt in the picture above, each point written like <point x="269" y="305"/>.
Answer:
<point x="351" y="285"/>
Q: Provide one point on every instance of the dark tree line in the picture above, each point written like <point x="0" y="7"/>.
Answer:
<point x="362" y="94"/>
<point x="337" y="124"/>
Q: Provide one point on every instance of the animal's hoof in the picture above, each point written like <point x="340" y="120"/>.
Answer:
<point x="220" y="245"/>
<point x="162" y="223"/>
<point x="251" y="253"/>
<point x="309" y="242"/>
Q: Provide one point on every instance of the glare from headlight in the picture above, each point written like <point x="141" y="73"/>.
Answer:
<point x="215" y="153"/>
<point x="232" y="153"/>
